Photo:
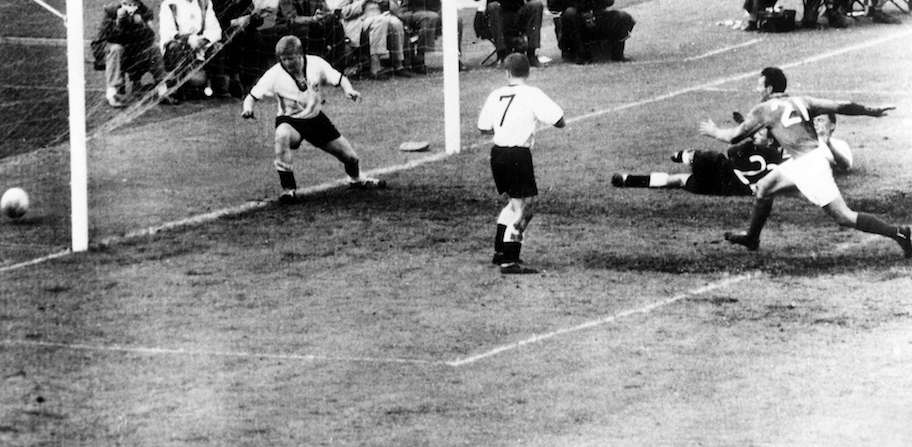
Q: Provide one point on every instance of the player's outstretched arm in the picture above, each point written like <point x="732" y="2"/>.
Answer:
<point x="732" y="134"/>
<point x="350" y="91"/>
<point x="247" y="112"/>
<point x="821" y="106"/>
<point x="852" y="108"/>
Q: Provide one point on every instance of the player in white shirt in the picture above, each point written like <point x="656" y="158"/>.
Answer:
<point x="511" y="114"/>
<point x="295" y="83"/>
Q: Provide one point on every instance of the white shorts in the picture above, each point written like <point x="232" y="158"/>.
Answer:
<point x="813" y="176"/>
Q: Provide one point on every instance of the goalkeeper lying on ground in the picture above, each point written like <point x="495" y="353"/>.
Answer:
<point x="733" y="173"/>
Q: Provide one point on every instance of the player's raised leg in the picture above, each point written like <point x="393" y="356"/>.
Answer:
<point x="869" y="223"/>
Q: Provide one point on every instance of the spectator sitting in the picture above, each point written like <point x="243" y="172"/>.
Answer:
<point x="423" y="17"/>
<point x="188" y="31"/>
<point x="753" y="8"/>
<point x="235" y="66"/>
<point x="875" y="12"/>
<point x="511" y="16"/>
<point x="584" y="21"/>
<point x="125" y="46"/>
<point x="385" y="34"/>
<point x="835" y="13"/>
<point x="316" y="26"/>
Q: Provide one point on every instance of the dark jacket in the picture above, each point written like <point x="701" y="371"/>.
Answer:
<point x="125" y="30"/>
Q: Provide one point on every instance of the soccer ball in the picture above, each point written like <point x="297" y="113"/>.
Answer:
<point x="14" y="203"/>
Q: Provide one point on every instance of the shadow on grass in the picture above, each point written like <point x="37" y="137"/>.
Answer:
<point x="768" y="262"/>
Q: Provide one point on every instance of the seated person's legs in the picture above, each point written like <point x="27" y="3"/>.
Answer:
<point x="530" y="18"/>
<point x="395" y="42"/>
<point x="378" y="32"/>
<point x="615" y="26"/>
<point x="114" y="73"/>
<point x="571" y="45"/>
<point x="810" y="14"/>
<point x="836" y="13"/>
<point x="753" y="8"/>
<point x="499" y="21"/>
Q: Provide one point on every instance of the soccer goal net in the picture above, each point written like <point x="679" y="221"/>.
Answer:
<point x="167" y="146"/>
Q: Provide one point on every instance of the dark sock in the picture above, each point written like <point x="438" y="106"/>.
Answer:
<point x="287" y="180"/>
<point x="636" y="181"/>
<point x="762" y="210"/>
<point x="499" y="238"/>
<point x="872" y="224"/>
<point x="352" y="169"/>
<point x="511" y="251"/>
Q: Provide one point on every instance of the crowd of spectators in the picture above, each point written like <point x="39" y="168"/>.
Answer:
<point x="220" y="47"/>
<point x="836" y="12"/>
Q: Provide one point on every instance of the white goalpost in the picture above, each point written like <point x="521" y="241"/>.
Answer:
<point x="449" y="11"/>
<point x="79" y="212"/>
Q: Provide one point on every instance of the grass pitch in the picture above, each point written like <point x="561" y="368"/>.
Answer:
<point x="374" y="318"/>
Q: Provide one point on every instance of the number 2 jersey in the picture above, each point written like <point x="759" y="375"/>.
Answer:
<point x="715" y="174"/>
<point x="789" y="120"/>
<point x="513" y="111"/>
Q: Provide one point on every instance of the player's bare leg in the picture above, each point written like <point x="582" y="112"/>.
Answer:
<point x="342" y="149"/>
<point x="286" y="138"/>
<point x="844" y="216"/>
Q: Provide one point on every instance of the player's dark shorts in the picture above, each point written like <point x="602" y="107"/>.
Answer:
<point x="513" y="171"/>
<point x="317" y="131"/>
<point x="713" y="175"/>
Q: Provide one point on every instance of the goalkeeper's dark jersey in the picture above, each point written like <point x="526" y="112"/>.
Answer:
<point x="716" y="174"/>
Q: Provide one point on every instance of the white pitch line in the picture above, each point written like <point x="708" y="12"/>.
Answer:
<point x="722" y="50"/>
<point x="697" y="57"/>
<point x="38" y="41"/>
<point x="56" y="255"/>
<point x="141" y="350"/>
<point x="745" y="75"/>
<point x="826" y="92"/>
<point x="45" y="87"/>
<point x="201" y="218"/>
<point x="601" y="321"/>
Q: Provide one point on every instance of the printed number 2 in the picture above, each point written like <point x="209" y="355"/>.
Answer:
<point x="510" y="101"/>
<point x="789" y="117"/>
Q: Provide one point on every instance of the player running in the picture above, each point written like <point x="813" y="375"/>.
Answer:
<point x="788" y="119"/>
<point x="511" y="113"/>
<point x="734" y="172"/>
<point x="295" y="82"/>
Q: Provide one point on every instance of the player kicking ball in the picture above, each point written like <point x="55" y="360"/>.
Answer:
<point x="788" y="119"/>
<point x="511" y="113"/>
<point x="295" y="83"/>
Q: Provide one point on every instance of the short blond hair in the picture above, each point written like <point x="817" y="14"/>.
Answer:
<point x="289" y="44"/>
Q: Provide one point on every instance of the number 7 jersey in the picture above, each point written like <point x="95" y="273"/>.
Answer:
<point x="513" y="111"/>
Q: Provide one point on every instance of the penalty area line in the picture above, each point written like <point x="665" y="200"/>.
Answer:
<point x="604" y="320"/>
<point x="142" y="350"/>
<point x="738" y="77"/>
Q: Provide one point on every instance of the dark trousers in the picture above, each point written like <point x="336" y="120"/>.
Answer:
<point x="238" y="62"/>
<point x="579" y="28"/>
<point x="504" y="23"/>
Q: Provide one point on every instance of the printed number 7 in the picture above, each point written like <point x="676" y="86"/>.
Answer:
<point x="510" y="97"/>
